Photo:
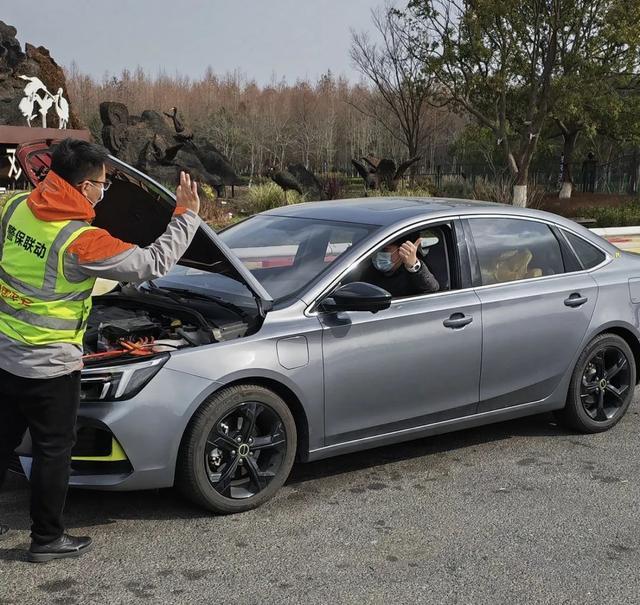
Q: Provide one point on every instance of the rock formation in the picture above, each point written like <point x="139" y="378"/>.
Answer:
<point x="34" y="62"/>
<point x="161" y="149"/>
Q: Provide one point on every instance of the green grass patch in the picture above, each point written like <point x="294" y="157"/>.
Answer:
<point x="627" y="215"/>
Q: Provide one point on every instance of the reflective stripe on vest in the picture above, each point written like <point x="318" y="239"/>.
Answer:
<point x="41" y="306"/>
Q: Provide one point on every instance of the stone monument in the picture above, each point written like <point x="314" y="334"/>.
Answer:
<point x="33" y="102"/>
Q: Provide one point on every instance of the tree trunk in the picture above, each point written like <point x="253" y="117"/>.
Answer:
<point x="634" y="180"/>
<point x="520" y="184"/>
<point x="565" y="190"/>
<point x="569" y="139"/>
<point x="520" y="195"/>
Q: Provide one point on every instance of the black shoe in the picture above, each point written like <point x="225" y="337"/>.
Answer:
<point x="4" y="530"/>
<point x="64" y="547"/>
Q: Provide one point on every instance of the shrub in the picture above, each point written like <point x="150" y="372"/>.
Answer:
<point x="207" y="192"/>
<point x="401" y="192"/>
<point x="334" y="186"/>
<point x="211" y="212"/>
<point x="627" y="215"/>
<point x="454" y="186"/>
<point x="499" y="190"/>
<point x="269" y="195"/>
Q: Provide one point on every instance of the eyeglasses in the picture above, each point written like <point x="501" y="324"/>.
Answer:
<point x="105" y="184"/>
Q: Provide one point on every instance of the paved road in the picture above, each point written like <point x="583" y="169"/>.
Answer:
<point x="631" y="243"/>
<point x="520" y="512"/>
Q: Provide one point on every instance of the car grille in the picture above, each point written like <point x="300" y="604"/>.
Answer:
<point x="92" y="441"/>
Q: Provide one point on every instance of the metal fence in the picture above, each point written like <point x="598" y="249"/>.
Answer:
<point x="620" y="175"/>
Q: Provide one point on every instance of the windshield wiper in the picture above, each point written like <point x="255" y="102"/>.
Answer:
<point x="184" y="292"/>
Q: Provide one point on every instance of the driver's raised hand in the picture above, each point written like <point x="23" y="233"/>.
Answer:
<point x="187" y="193"/>
<point x="408" y="252"/>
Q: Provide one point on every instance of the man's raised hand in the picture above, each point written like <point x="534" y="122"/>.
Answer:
<point x="187" y="193"/>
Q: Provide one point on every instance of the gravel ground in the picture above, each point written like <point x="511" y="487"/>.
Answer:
<point x="519" y="512"/>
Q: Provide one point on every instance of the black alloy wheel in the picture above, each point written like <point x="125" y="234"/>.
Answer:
<point x="602" y="385"/>
<point x="238" y="449"/>
<point x="245" y="450"/>
<point x="605" y="383"/>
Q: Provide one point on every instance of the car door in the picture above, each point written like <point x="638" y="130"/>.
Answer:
<point x="415" y="363"/>
<point x="534" y="311"/>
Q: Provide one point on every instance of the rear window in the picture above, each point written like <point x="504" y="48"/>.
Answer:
<point x="587" y="253"/>
<point x="515" y="249"/>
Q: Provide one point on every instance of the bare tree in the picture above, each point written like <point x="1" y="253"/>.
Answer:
<point x="315" y="123"/>
<point x="398" y="78"/>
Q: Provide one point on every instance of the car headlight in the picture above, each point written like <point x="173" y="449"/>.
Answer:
<point x="118" y="382"/>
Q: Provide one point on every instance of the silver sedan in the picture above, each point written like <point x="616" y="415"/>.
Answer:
<point x="277" y="339"/>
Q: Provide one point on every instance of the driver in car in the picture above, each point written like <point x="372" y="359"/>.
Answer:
<point x="397" y="269"/>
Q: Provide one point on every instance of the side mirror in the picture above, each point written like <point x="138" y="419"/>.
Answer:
<point x="357" y="296"/>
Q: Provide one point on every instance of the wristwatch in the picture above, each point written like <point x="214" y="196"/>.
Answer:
<point x="415" y="267"/>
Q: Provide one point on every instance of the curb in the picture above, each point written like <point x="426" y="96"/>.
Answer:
<point x="617" y="231"/>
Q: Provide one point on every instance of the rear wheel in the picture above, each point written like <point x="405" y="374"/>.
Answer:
<point x="602" y="385"/>
<point x="238" y="450"/>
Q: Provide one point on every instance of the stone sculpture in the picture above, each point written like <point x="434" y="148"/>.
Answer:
<point x="382" y="172"/>
<point x="148" y="143"/>
<point x="296" y="178"/>
<point x="26" y="81"/>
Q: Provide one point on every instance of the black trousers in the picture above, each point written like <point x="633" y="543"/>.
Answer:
<point x="48" y="407"/>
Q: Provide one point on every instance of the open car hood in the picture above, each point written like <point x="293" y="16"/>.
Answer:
<point x="137" y="209"/>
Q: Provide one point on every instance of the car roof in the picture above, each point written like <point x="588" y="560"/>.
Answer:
<point x="386" y="211"/>
<point x="399" y="211"/>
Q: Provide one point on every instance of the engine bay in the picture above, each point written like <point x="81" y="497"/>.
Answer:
<point x="134" y="323"/>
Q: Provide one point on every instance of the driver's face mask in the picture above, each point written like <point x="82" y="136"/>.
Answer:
<point x="382" y="261"/>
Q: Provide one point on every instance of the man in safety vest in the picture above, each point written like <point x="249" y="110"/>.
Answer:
<point x="50" y="257"/>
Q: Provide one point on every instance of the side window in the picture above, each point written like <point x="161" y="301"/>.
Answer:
<point x="434" y="252"/>
<point x="514" y="249"/>
<point x="588" y="254"/>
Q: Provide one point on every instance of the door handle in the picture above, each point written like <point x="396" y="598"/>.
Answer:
<point x="457" y="320"/>
<point x="575" y="300"/>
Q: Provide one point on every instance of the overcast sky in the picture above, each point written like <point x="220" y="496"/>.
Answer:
<point x="291" y="38"/>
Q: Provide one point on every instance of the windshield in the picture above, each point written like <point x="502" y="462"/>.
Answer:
<point x="286" y="253"/>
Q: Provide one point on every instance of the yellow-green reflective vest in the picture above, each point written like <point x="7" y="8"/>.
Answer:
<point x="39" y="305"/>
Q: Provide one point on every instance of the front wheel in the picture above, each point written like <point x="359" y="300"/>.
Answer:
<point x="602" y="385"/>
<point x="238" y="450"/>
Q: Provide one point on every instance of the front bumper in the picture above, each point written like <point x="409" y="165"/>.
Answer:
<point x="132" y="444"/>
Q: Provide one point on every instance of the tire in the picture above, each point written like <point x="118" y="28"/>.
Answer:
<point x="226" y="463"/>
<point x="589" y="407"/>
